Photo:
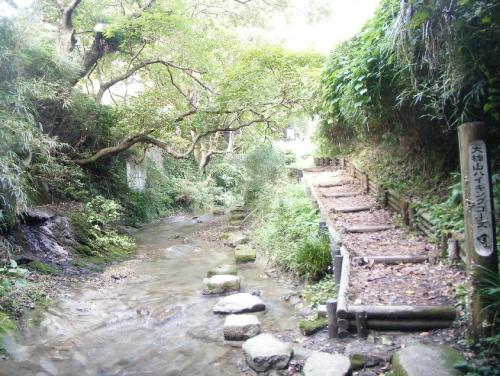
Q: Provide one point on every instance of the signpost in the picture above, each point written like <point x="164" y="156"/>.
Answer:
<point x="479" y="221"/>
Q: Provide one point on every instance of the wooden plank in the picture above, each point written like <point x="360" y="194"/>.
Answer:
<point x="410" y="325"/>
<point x="333" y="184"/>
<point x="353" y="209"/>
<point x="344" y="284"/>
<point x="392" y="259"/>
<point x="403" y="312"/>
<point x="340" y="194"/>
<point x="368" y="228"/>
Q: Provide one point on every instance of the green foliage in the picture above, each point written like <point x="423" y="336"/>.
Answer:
<point x="263" y="165"/>
<point x="318" y="293"/>
<point x="44" y="268"/>
<point x="313" y="257"/>
<point x="395" y="72"/>
<point x="287" y="231"/>
<point x="93" y="233"/>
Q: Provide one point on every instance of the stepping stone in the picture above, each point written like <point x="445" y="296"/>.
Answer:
<point x="428" y="360"/>
<point x="325" y="364"/>
<point x="368" y="228"/>
<point x="266" y="352"/>
<point x="225" y="269"/>
<point x="239" y="303"/>
<point x="244" y="253"/>
<point x="221" y="284"/>
<point x="241" y="327"/>
<point x="353" y="209"/>
<point x="235" y="239"/>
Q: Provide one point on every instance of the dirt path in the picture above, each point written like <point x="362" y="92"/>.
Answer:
<point x="369" y="230"/>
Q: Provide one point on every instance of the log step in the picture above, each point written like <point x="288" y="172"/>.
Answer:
<point x="332" y="184"/>
<point x="340" y="194"/>
<point x="353" y="209"/>
<point x="410" y="325"/>
<point x="391" y="259"/>
<point x="368" y="228"/>
<point x="403" y="312"/>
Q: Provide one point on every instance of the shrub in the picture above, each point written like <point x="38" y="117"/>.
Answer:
<point x="313" y="258"/>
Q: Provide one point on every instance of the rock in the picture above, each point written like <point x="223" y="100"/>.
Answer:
<point x="241" y="327"/>
<point x="218" y="211"/>
<point x="235" y="239"/>
<point x="367" y="373"/>
<point x="301" y="353"/>
<point x="223" y="270"/>
<point x="428" y="360"/>
<point x="322" y="310"/>
<point x="360" y="361"/>
<point x="265" y="352"/>
<point x="244" y="253"/>
<point x="309" y="327"/>
<point x="38" y="215"/>
<point x="239" y="303"/>
<point x="324" y="364"/>
<point x="221" y="284"/>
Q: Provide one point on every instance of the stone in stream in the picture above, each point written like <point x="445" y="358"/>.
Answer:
<point x="325" y="364"/>
<point x="234" y="239"/>
<point x="244" y="253"/>
<point x="428" y="360"/>
<point x="225" y="269"/>
<point x="221" y="284"/>
<point x="265" y="352"/>
<point x="239" y="303"/>
<point x="241" y="327"/>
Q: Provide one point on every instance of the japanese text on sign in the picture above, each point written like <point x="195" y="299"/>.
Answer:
<point x="480" y="199"/>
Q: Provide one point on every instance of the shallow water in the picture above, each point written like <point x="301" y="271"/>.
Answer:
<point x="153" y="323"/>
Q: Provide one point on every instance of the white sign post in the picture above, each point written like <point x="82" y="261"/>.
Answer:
<point x="479" y="221"/>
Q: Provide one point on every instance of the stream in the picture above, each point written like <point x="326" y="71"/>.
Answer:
<point x="155" y="322"/>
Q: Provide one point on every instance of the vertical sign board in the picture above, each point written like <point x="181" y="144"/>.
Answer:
<point x="479" y="223"/>
<point x="480" y="199"/>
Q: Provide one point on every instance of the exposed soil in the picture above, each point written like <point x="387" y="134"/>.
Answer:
<point x="404" y="284"/>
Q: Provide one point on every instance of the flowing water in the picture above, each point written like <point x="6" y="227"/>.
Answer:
<point x="155" y="322"/>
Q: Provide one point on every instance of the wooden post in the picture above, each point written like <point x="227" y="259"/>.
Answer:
<point x="361" y="327"/>
<point x="337" y="268"/>
<point x="331" y="314"/>
<point x="366" y="186"/>
<point x="404" y="212"/>
<point x="480" y="238"/>
<point x="452" y="249"/>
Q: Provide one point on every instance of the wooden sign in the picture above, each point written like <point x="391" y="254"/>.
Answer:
<point x="480" y="204"/>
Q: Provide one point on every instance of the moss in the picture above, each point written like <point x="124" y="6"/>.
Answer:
<point x="44" y="268"/>
<point x="245" y="254"/>
<point x="309" y="327"/>
<point x="223" y="270"/>
<point x="358" y="361"/>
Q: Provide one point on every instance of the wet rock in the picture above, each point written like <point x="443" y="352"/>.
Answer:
<point x="244" y="253"/>
<point x="429" y="360"/>
<point x="221" y="284"/>
<point x="309" y="327"/>
<point x="223" y="270"/>
<point x="239" y="303"/>
<point x="301" y="353"/>
<point x="241" y="327"/>
<point x="265" y="352"/>
<point x="324" y="364"/>
<point x="360" y="361"/>
<point x="234" y="239"/>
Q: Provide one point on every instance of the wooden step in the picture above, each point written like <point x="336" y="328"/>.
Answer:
<point x="352" y="209"/>
<point x="333" y="184"/>
<point x="340" y="194"/>
<point x="368" y="228"/>
<point x="397" y="259"/>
